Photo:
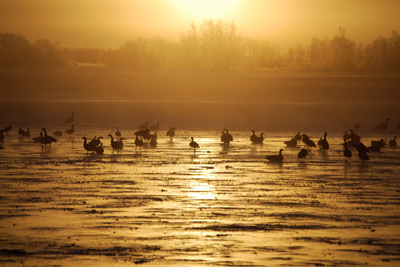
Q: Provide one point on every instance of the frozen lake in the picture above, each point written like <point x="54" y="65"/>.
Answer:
<point x="167" y="206"/>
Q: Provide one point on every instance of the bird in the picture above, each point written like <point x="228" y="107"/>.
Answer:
<point x="118" y="133"/>
<point x="379" y="143"/>
<point x="226" y="137"/>
<point x="144" y="133"/>
<point x="71" y="131"/>
<point x="308" y="142"/>
<point x="276" y="158"/>
<point x="138" y="142"/>
<point x="100" y="149"/>
<point x="393" y="142"/>
<point x="382" y="126"/>
<point x="356" y="125"/>
<point x="95" y="141"/>
<point x="155" y="127"/>
<point x="153" y="139"/>
<point x="291" y="143"/>
<point x="70" y="119"/>
<point x="144" y="126"/>
<point x="87" y="146"/>
<point x="347" y="151"/>
<point x="47" y="139"/>
<point x="319" y="143"/>
<point x="253" y="137"/>
<point x="116" y="145"/>
<point x="7" y="129"/>
<point x="325" y="144"/>
<point x="194" y="145"/>
<point x="302" y="154"/>
<point x="258" y="139"/>
<point x="363" y="156"/>
<point x="38" y="138"/>
<point x="24" y="133"/>
<point x="297" y="137"/>
<point x="171" y="132"/>
<point x="58" y="133"/>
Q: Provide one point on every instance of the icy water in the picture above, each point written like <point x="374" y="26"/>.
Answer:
<point x="166" y="206"/>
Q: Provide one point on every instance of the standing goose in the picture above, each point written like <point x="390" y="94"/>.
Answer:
<point x="118" y="133"/>
<point x="229" y="137"/>
<point x="259" y="139"/>
<point x="71" y="131"/>
<point x="70" y="119"/>
<point x="308" y="142"/>
<point x="116" y="145"/>
<point x="325" y="144"/>
<point x="87" y="146"/>
<point x="171" y="132"/>
<point x="297" y="137"/>
<point x="253" y="137"/>
<point x="100" y="149"/>
<point x="24" y="133"/>
<point x="393" y="142"/>
<point x="194" y="145"/>
<point x="302" y="154"/>
<point x="276" y="158"/>
<point x="47" y="138"/>
<point x="138" y="142"/>
<point x="347" y="151"/>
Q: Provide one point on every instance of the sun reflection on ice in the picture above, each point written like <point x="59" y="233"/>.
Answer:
<point x="201" y="190"/>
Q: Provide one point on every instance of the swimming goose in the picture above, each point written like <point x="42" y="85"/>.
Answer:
<point x="71" y="131"/>
<point x="276" y="158"/>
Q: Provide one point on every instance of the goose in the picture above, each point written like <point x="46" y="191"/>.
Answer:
<point x="47" y="138"/>
<point x="171" y="132"/>
<point x="70" y="119"/>
<point x="144" y="133"/>
<point x="118" y="133"/>
<point x="7" y="129"/>
<point x="116" y="144"/>
<point x="308" y="142"/>
<point x="226" y="137"/>
<point x="153" y="143"/>
<point x="319" y="143"/>
<point x="138" y="142"/>
<point x="38" y="138"/>
<point x="382" y="126"/>
<point x="58" y="133"/>
<point x="95" y="142"/>
<point x="71" y="131"/>
<point x="302" y="154"/>
<point x="297" y="137"/>
<point x="253" y="137"/>
<point x="379" y="143"/>
<point x="361" y="148"/>
<point x="347" y="151"/>
<point x="100" y="149"/>
<point x="144" y="126"/>
<point x="259" y="139"/>
<point x="194" y="145"/>
<point x="393" y="142"/>
<point x="276" y="158"/>
<point x="155" y="127"/>
<point x="291" y="143"/>
<point x="325" y="144"/>
<point x="88" y="147"/>
<point x="22" y="132"/>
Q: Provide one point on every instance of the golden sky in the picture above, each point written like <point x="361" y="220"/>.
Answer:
<point x="108" y="23"/>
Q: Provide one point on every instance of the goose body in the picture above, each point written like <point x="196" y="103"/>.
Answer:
<point x="291" y="143"/>
<point x="194" y="145"/>
<point x="116" y="145"/>
<point x="7" y="129"/>
<point x="24" y="133"/>
<point x="118" y="133"/>
<point x="1" y="136"/>
<point x="87" y="146"/>
<point x="297" y="137"/>
<point x="47" y="138"/>
<point x="171" y="132"/>
<point x="71" y="131"/>
<point x="276" y="158"/>
<point x="325" y="144"/>
<point x="226" y="137"/>
<point x="308" y="142"/>
<point x="144" y="133"/>
<point x="302" y="154"/>
<point x="138" y="142"/>
<point x="347" y="151"/>
<point x="393" y="142"/>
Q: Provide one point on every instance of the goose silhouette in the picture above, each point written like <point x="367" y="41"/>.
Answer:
<point x="276" y="158"/>
<point x="393" y="142"/>
<point x="194" y="145"/>
<point x="138" y="142"/>
<point x="71" y="131"/>
<point x="347" y="151"/>
<point x="171" y="132"/>
<point x="302" y="154"/>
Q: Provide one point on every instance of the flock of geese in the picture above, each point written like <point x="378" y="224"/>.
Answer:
<point x="145" y="136"/>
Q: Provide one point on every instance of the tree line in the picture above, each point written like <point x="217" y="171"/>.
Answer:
<point x="211" y="45"/>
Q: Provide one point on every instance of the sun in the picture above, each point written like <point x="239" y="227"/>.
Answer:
<point x="204" y="9"/>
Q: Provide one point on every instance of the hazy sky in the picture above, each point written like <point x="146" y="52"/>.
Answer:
<point x="108" y="23"/>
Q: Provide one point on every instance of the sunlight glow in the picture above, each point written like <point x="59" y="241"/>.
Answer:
<point x="201" y="190"/>
<point x="204" y="9"/>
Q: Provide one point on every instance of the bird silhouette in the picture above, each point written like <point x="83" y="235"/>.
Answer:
<point x="302" y="154"/>
<point x="47" y="139"/>
<point x="194" y="145"/>
<point x="363" y="156"/>
<point x="100" y="149"/>
<point x="71" y="131"/>
<point x="24" y="133"/>
<point x="325" y="144"/>
<point x="7" y="129"/>
<point x="171" y="132"/>
<point x="145" y="134"/>
<point x="87" y="146"/>
<point x="291" y="143"/>
<point x="347" y="151"/>
<point x="70" y="119"/>
<point x="297" y="137"/>
<point x="276" y="158"/>
<point x="308" y="142"/>
<point x="138" y="142"/>
<point x="382" y="126"/>
<point x="116" y="145"/>
<point x="346" y="135"/>
<point x="226" y="137"/>
<point x="379" y="143"/>
<point x="393" y="142"/>
<point x="118" y="133"/>
<point x="253" y="137"/>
